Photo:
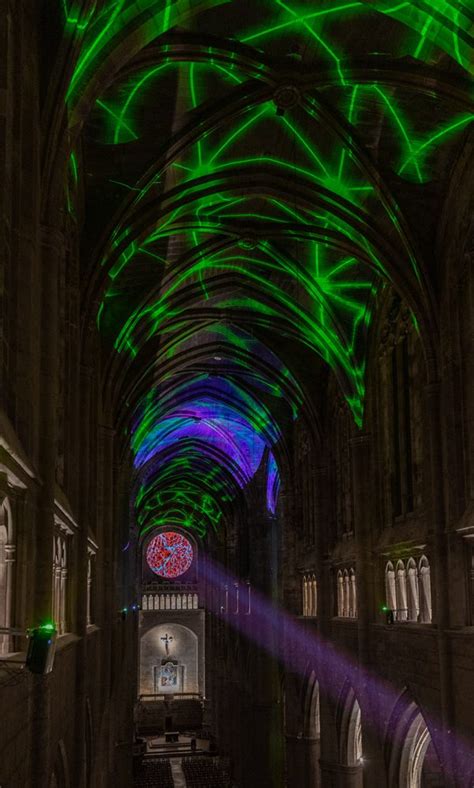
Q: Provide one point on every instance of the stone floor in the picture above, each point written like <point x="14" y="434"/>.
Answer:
<point x="178" y="776"/>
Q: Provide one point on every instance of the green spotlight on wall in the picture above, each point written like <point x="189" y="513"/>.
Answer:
<point x="41" y="648"/>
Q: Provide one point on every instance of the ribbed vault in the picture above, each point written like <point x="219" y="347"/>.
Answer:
<point x="253" y="176"/>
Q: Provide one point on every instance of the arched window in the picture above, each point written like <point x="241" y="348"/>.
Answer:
<point x="401" y="589"/>
<point x="89" y="590"/>
<point x="60" y="582"/>
<point x="419" y="764"/>
<point x="7" y="557"/>
<point x="347" y="591"/>
<point x="313" y="608"/>
<point x="340" y="594"/>
<point x="305" y="596"/>
<point x="425" y="590"/>
<point x="352" y="594"/>
<point x="310" y="595"/>
<point x="312" y="716"/>
<point x="413" y="602"/>
<point x="62" y="605"/>
<point x="351" y="731"/>
<point x="390" y="589"/>
<point x="357" y="734"/>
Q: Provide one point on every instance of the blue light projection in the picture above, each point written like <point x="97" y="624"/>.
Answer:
<point x="199" y="438"/>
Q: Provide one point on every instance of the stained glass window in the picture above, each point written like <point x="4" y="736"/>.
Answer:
<point x="169" y="554"/>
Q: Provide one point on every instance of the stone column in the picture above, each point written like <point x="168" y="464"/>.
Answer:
<point x="325" y="611"/>
<point x="266" y="756"/>
<point x="62" y="597"/>
<point x="337" y="775"/>
<point x="437" y="519"/>
<point x="10" y="557"/>
<point x="106" y="603"/>
<point x="86" y="506"/>
<point x="302" y="767"/>
<point x="52" y="257"/>
<point x="364" y="496"/>
<point x="89" y="590"/>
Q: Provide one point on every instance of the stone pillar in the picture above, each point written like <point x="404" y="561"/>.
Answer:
<point x="302" y="766"/>
<point x="363" y="499"/>
<point x="52" y="254"/>
<point x="10" y="557"/>
<point x="437" y="519"/>
<point x="337" y="775"/>
<point x="87" y="464"/>
<point x="62" y="597"/>
<point x="89" y="590"/>
<point x="325" y="610"/>
<point x="105" y="595"/>
<point x="371" y="714"/>
<point x="266" y="755"/>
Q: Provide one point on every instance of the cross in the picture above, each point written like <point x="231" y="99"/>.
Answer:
<point x="167" y="640"/>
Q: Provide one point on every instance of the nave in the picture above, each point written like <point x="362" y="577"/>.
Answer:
<point x="237" y="393"/>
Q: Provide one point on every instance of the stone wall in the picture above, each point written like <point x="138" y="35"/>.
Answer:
<point x="186" y="628"/>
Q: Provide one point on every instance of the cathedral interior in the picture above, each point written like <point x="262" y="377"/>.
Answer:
<point x="237" y="394"/>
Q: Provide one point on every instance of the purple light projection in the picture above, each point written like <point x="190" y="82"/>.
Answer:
<point x="196" y="445"/>
<point x="273" y="484"/>
<point x="290" y="642"/>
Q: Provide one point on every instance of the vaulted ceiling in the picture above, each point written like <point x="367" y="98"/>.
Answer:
<point x="247" y="178"/>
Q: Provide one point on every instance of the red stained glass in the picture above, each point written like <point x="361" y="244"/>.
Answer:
<point x="169" y="554"/>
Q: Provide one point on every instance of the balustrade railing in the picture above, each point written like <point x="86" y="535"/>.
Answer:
<point x="170" y="601"/>
<point x="401" y="615"/>
<point x="147" y="697"/>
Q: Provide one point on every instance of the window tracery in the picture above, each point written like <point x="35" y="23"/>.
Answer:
<point x="408" y="590"/>
<point x="310" y="595"/>
<point x="346" y="593"/>
<point x="91" y="557"/>
<point x="424" y="572"/>
<point x="7" y="558"/>
<point x="60" y="573"/>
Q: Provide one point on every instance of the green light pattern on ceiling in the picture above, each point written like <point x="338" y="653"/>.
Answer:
<point x="263" y="223"/>
<point x="147" y="19"/>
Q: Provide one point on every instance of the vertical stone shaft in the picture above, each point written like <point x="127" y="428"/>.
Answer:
<point x="436" y="508"/>
<point x="52" y="252"/>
